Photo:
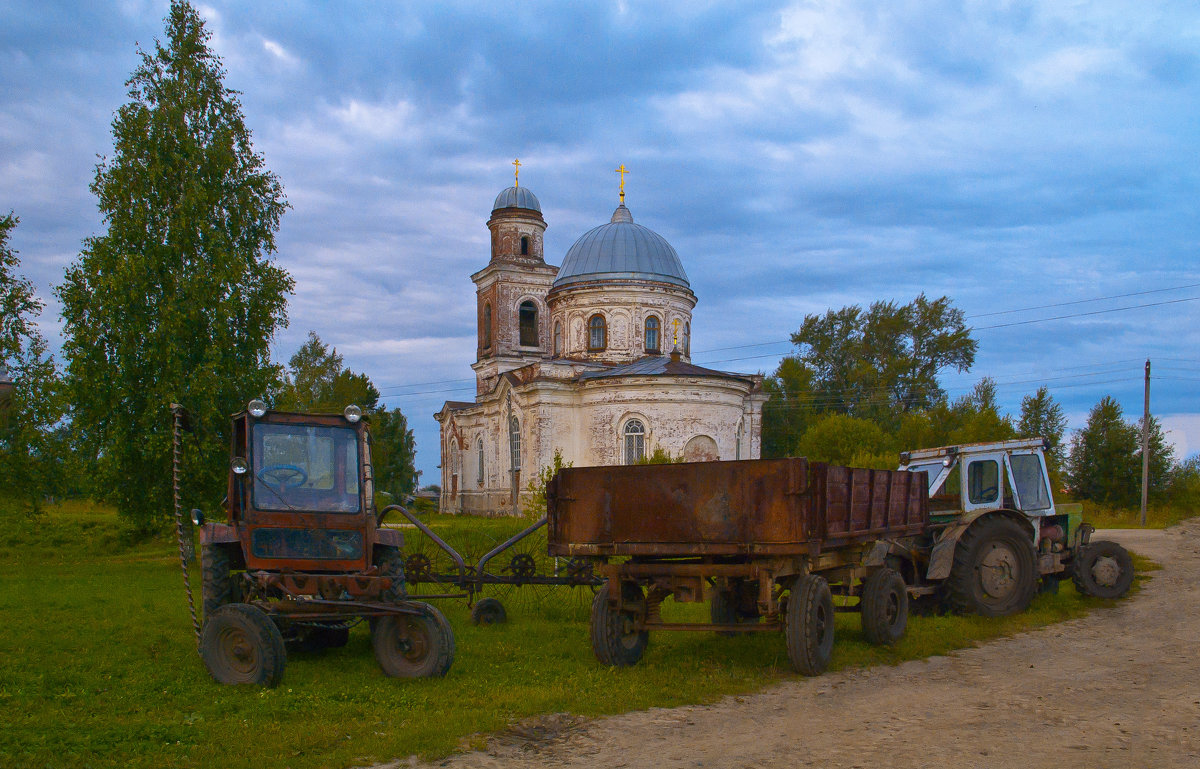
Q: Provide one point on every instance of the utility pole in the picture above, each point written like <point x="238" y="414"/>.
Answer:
<point x="1146" y="445"/>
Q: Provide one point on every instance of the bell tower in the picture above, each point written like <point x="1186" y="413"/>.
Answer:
<point x="513" y="319"/>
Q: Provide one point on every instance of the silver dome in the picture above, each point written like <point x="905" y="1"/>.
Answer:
<point x="517" y="197"/>
<point x="621" y="249"/>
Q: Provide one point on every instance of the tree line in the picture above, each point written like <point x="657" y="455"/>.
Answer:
<point x="176" y="301"/>
<point x="864" y="385"/>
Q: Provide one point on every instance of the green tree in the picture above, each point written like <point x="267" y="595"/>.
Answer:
<point x="1104" y="456"/>
<point x="316" y="381"/>
<point x="31" y="449"/>
<point x="1162" y="460"/>
<point x="845" y="440"/>
<point x="789" y="408"/>
<point x="1042" y="416"/>
<point x="394" y="452"/>
<point x="177" y="300"/>
<point x="883" y="362"/>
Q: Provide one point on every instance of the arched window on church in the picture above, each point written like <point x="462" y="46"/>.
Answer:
<point x="479" y="457"/>
<point x="635" y="441"/>
<point x="737" y="454"/>
<point x="687" y="338"/>
<point x="597" y="333"/>
<point x="487" y="326"/>
<point x="514" y="444"/>
<point x="558" y="337"/>
<point x="652" y="334"/>
<point x="524" y="245"/>
<point x="529" y="325"/>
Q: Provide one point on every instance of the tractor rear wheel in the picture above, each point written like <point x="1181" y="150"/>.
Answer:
<point x="615" y="640"/>
<point x="884" y="607"/>
<point x="995" y="569"/>
<point x="217" y="582"/>
<point x="414" y="645"/>
<point x="808" y="625"/>
<point x="241" y="645"/>
<point x="1104" y="570"/>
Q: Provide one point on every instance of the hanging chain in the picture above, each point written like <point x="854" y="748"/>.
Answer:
<point x="176" y="455"/>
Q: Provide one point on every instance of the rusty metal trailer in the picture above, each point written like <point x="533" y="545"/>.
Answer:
<point x="767" y="542"/>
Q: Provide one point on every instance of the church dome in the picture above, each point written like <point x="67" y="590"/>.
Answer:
<point x="517" y="197"/>
<point x="621" y="249"/>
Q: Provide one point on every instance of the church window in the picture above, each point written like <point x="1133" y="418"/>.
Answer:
<point x="687" y="338"/>
<point x="635" y="441"/>
<point x="487" y="326"/>
<point x="479" y="455"/>
<point x="597" y="333"/>
<point x="514" y="444"/>
<point x="524" y="245"/>
<point x="652" y="334"/>
<point x="529" y="324"/>
<point x="737" y="454"/>
<point x="558" y="337"/>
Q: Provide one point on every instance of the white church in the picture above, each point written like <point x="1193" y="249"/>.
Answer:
<point x="591" y="359"/>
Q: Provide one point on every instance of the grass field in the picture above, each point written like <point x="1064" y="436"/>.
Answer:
<point x="99" y="665"/>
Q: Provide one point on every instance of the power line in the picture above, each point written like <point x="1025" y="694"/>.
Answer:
<point x="1084" y="301"/>
<point x="1084" y="314"/>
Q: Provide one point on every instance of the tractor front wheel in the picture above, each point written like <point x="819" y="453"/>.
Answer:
<point x="417" y="645"/>
<point x="488" y="611"/>
<point x="1104" y="570"/>
<point x="217" y="586"/>
<point x="241" y="645"/>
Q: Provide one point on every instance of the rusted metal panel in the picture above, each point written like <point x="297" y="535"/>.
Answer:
<point x="753" y="507"/>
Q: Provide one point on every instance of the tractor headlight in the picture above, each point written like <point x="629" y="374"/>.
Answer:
<point x="352" y="414"/>
<point x="256" y="408"/>
<point x="238" y="466"/>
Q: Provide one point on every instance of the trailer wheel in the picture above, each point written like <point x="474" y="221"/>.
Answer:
<point x="488" y="611"/>
<point x="615" y="642"/>
<point x="994" y="571"/>
<point x="884" y="605"/>
<point x="414" y="645"/>
<point x="241" y="645"/>
<point x="216" y="581"/>
<point x="390" y="564"/>
<point x="808" y="626"/>
<point x="1104" y="569"/>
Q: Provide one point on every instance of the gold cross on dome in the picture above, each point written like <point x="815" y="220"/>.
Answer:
<point x="517" y="172"/>
<point x="622" y="171"/>
<point x="675" y="339"/>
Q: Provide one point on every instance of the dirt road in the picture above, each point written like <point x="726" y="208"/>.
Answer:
<point x="1119" y="688"/>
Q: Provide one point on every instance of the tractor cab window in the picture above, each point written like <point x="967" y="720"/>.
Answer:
<point x="983" y="481"/>
<point x="1030" y="482"/>
<point x="305" y="468"/>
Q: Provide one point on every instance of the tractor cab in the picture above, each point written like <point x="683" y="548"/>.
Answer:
<point x="301" y="491"/>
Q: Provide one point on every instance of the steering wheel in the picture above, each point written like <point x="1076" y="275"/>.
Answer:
<point x="283" y="476"/>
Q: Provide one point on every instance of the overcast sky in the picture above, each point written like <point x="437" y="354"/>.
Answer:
<point x="800" y="157"/>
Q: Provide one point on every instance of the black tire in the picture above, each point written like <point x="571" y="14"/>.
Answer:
<point x="995" y="569"/>
<point x="391" y="564"/>
<point x="241" y="645"/>
<point x="1104" y="569"/>
<point x="414" y="645"/>
<point x="216" y="580"/>
<point x="614" y="641"/>
<point x="488" y="611"/>
<point x="808" y="625"/>
<point x="884" y="607"/>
